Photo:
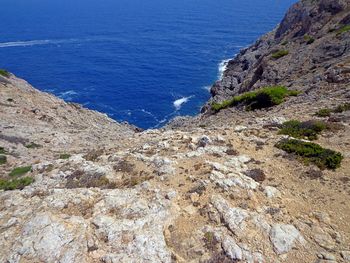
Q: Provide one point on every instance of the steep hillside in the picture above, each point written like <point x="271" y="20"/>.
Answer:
<point x="308" y="51"/>
<point x="239" y="184"/>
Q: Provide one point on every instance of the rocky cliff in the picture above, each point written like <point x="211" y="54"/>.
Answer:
<point x="316" y="54"/>
<point x="80" y="187"/>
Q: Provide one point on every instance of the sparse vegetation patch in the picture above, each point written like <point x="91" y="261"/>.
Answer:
<point x="258" y="99"/>
<point x="20" y="171"/>
<point x="33" y="145"/>
<point x="65" y="156"/>
<point x="343" y="30"/>
<point x="309" y="39"/>
<point x="326" y="112"/>
<point x="279" y="54"/>
<point x="4" y="73"/>
<point x="2" y="150"/>
<point x="18" y="183"/>
<point x="312" y="153"/>
<point x="303" y="130"/>
<point x="3" y="159"/>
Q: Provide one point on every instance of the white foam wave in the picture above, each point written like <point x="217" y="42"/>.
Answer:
<point x="67" y="95"/>
<point x="179" y="102"/>
<point x="207" y="88"/>
<point x="54" y="41"/>
<point x="222" y="67"/>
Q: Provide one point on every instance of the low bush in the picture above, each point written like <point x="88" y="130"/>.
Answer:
<point x="4" y="73"/>
<point x="3" y="159"/>
<point x="79" y="179"/>
<point x="309" y="39"/>
<point x="307" y="129"/>
<point x="258" y="99"/>
<point x="311" y="153"/>
<point x="323" y="112"/>
<point x="326" y="112"/>
<point x="18" y="183"/>
<point x="64" y="156"/>
<point x="279" y="54"/>
<point x="33" y="145"/>
<point x="2" y="150"/>
<point x="20" y="170"/>
<point x="341" y="108"/>
<point x="343" y="29"/>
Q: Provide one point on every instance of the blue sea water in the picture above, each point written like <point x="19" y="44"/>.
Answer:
<point x="143" y="61"/>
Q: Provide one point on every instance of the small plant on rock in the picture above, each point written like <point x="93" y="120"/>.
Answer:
<point x="307" y="129"/>
<point x="323" y="112"/>
<point x="312" y="153"/>
<point x="4" y="73"/>
<point x="18" y="183"/>
<point x="65" y="156"/>
<point x="3" y="159"/>
<point x="20" y="171"/>
<point x="309" y="39"/>
<point x="258" y="99"/>
<point x="279" y="54"/>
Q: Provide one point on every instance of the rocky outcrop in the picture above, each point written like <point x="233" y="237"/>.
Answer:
<point x="318" y="55"/>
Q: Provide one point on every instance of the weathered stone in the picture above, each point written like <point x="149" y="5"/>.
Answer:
<point x="284" y="238"/>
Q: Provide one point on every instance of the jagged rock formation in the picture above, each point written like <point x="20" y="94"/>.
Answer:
<point x="318" y="55"/>
<point x="213" y="188"/>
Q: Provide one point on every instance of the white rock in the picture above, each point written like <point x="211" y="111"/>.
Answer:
<point x="231" y="248"/>
<point x="234" y="217"/>
<point x="272" y="192"/>
<point x="240" y="128"/>
<point x="284" y="237"/>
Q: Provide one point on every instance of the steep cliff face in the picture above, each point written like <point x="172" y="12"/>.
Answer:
<point x="310" y="49"/>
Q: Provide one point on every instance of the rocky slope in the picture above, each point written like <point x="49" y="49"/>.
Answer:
<point x="317" y="59"/>
<point x="213" y="188"/>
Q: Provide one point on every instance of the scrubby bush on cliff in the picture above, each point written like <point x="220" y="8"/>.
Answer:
<point x="258" y="99"/>
<point x="280" y="53"/>
<point x="307" y="129"/>
<point x="20" y="170"/>
<point x="326" y="112"/>
<point x="312" y="153"/>
<point x="309" y="39"/>
<point x="15" y="183"/>
<point x="323" y="112"/>
<point x="343" y="30"/>
<point x="4" y="73"/>
<point x="3" y="159"/>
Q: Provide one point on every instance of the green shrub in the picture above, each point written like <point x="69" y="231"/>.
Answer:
<point x="284" y="43"/>
<point x="324" y="112"/>
<point x="312" y="153"/>
<point x="307" y="129"/>
<point x="20" y="170"/>
<point x="65" y="156"/>
<point x="18" y="183"/>
<point x="309" y="39"/>
<point x="327" y="112"/>
<point x="280" y="53"/>
<point x="2" y="150"/>
<point x="258" y="99"/>
<point x="342" y="108"/>
<point x="343" y="29"/>
<point x="3" y="159"/>
<point x="33" y="145"/>
<point x="4" y="73"/>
